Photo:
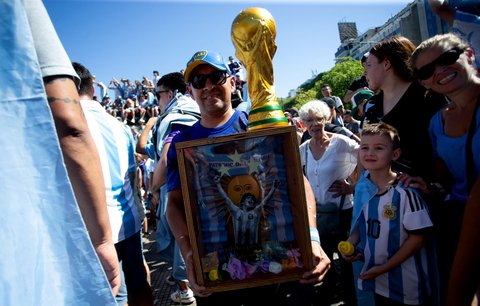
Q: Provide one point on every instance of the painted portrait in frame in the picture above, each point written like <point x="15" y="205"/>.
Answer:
<point x="245" y="208"/>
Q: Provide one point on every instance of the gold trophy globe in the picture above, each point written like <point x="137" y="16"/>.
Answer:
<point x="253" y="35"/>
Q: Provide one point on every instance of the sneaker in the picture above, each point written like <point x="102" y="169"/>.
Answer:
<point x="170" y="280"/>
<point x="183" y="296"/>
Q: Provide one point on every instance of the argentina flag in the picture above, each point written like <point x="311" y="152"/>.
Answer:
<point x="46" y="254"/>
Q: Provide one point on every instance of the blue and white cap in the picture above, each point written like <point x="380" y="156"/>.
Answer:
<point x="213" y="59"/>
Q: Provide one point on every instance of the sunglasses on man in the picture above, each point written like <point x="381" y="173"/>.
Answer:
<point x="447" y="58"/>
<point x="217" y="77"/>
<point x="159" y="93"/>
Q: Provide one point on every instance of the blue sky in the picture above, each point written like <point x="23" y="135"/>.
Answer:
<point x="132" y="38"/>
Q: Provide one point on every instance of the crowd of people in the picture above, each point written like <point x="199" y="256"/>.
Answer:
<point x="135" y="103"/>
<point x="416" y="165"/>
<point x="397" y="176"/>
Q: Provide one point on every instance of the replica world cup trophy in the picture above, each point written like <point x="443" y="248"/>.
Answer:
<point x="253" y="35"/>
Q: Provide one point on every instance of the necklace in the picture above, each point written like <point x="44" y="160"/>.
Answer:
<point x="322" y="142"/>
<point x="317" y="148"/>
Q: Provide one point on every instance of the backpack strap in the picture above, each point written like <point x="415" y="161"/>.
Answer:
<point x="162" y="116"/>
<point x="155" y="135"/>
<point x="180" y="111"/>
<point x="305" y="152"/>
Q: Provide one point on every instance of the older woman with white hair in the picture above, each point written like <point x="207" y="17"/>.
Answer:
<point x="328" y="159"/>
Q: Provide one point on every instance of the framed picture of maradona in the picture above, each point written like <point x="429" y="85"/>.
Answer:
<point x="246" y="209"/>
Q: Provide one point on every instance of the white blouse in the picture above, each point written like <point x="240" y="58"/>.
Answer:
<point x="337" y="163"/>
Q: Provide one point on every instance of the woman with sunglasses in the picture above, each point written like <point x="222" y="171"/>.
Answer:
<point x="445" y="64"/>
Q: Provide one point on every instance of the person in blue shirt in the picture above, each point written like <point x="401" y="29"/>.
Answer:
<point x="114" y="142"/>
<point x="211" y="84"/>
<point x="178" y="111"/>
<point x="446" y="65"/>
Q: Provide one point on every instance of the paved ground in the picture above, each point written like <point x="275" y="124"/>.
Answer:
<point x="159" y="271"/>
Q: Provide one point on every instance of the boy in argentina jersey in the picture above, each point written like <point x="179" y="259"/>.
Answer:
<point x="389" y="223"/>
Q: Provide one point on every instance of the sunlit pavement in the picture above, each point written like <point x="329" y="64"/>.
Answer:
<point x="159" y="271"/>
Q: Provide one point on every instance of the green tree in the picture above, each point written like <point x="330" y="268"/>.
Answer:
<point x="339" y="78"/>
<point x="302" y="97"/>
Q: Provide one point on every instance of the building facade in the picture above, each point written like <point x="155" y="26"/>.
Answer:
<point x="416" y="21"/>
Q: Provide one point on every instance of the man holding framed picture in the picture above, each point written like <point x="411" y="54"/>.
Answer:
<point x="211" y="84"/>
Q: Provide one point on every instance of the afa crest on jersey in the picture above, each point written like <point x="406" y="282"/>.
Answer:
<point x="389" y="211"/>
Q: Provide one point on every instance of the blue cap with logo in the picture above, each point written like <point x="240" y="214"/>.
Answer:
<point x="213" y="59"/>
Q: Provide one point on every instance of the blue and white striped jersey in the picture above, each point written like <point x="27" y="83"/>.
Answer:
<point x="116" y="148"/>
<point x="384" y="222"/>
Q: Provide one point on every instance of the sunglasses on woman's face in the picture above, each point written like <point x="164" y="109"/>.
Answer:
<point x="217" y="78"/>
<point x="446" y="59"/>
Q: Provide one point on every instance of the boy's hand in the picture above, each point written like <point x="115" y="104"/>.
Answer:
<point x="354" y="257"/>
<point x="372" y="273"/>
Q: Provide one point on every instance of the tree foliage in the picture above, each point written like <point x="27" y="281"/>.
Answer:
<point x="339" y="78"/>
<point x="309" y="84"/>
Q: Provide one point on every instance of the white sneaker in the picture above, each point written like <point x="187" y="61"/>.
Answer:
<point x="183" y="296"/>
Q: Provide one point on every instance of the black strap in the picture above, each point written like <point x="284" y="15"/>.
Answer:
<point x="306" y="159"/>
<point x="342" y="201"/>
<point x="155" y="135"/>
<point x="469" y="150"/>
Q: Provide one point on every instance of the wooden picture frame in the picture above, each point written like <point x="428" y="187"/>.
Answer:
<point x="245" y="208"/>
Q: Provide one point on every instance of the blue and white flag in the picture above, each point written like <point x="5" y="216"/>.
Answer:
<point x="46" y="254"/>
